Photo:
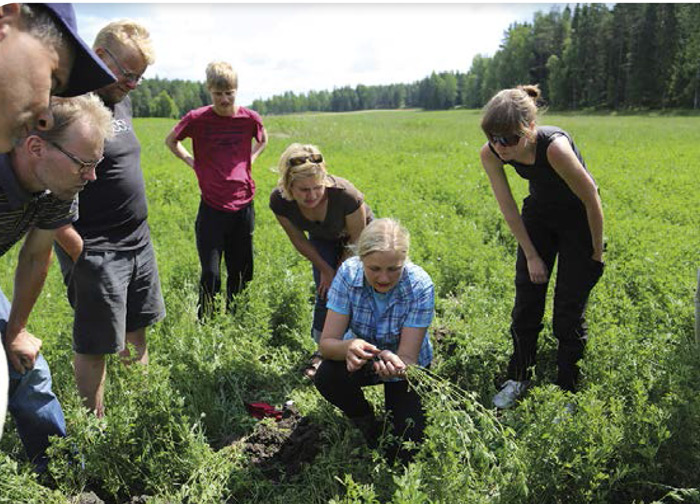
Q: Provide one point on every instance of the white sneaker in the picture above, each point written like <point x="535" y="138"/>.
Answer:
<point x="510" y="391"/>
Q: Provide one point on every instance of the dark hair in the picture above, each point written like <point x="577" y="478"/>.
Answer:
<point x="511" y="111"/>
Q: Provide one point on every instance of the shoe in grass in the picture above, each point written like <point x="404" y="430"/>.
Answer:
<point x="510" y="392"/>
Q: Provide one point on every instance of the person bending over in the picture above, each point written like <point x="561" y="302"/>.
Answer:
<point x="39" y="181"/>
<point x="333" y="213"/>
<point x="107" y="256"/>
<point x="561" y="219"/>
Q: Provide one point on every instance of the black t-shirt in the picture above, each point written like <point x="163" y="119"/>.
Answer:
<point x="113" y="208"/>
<point x="343" y="199"/>
<point x="546" y="186"/>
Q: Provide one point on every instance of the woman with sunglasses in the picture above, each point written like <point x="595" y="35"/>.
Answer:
<point x="562" y="217"/>
<point x="333" y="213"/>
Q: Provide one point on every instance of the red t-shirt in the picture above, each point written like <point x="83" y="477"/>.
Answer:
<point x="222" y="147"/>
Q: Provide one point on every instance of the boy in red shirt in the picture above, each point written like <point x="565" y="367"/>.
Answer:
<point x="226" y="140"/>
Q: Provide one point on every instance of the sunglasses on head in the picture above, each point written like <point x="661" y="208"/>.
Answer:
<point x="505" y="141"/>
<point x="310" y="158"/>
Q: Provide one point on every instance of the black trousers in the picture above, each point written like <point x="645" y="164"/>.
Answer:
<point x="344" y="390"/>
<point x="561" y="234"/>
<point x="227" y="234"/>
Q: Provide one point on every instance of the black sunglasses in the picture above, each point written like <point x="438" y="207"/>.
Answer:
<point x="300" y="160"/>
<point x="505" y="141"/>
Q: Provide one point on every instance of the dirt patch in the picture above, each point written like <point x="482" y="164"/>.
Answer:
<point x="280" y="449"/>
<point x="92" y="498"/>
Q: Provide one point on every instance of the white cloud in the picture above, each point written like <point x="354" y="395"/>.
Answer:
<point x="300" y="47"/>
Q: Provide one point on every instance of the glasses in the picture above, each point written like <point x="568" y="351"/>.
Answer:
<point x="130" y="77"/>
<point x="300" y="160"/>
<point x="85" y="166"/>
<point x="505" y="141"/>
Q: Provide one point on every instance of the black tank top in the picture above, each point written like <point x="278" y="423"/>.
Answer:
<point x="546" y="186"/>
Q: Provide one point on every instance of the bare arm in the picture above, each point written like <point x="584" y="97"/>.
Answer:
<point x="305" y="248"/>
<point x="70" y="241"/>
<point x="258" y="147"/>
<point x="564" y="161"/>
<point x="178" y="149"/>
<point x="501" y="190"/>
<point x="32" y="267"/>
<point x="354" y="224"/>
<point x="355" y="352"/>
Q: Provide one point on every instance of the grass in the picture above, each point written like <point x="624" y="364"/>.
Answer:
<point x="634" y="437"/>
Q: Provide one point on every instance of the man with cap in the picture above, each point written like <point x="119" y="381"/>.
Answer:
<point x="107" y="256"/>
<point x="61" y="64"/>
<point x="39" y="181"/>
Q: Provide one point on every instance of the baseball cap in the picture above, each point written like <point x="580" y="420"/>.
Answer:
<point x="89" y="72"/>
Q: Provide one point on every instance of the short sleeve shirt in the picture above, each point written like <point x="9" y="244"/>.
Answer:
<point x="343" y="199"/>
<point x="113" y="208"/>
<point x="411" y="304"/>
<point x="222" y="148"/>
<point x="21" y="210"/>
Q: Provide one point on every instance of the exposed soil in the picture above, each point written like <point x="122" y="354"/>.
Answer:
<point x="280" y="449"/>
<point x="92" y="498"/>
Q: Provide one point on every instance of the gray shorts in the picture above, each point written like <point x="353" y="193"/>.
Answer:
<point x="112" y="293"/>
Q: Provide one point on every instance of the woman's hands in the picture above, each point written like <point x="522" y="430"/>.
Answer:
<point x="327" y="275"/>
<point x="386" y="363"/>
<point x="389" y="365"/>
<point x="358" y="353"/>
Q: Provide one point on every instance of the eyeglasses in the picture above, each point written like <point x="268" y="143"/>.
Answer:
<point x="130" y="77"/>
<point x="85" y="166"/>
<point x="505" y="141"/>
<point x="300" y="160"/>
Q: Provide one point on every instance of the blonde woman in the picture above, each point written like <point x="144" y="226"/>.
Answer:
<point x="380" y="306"/>
<point x="321" y="215"/>
<point x="562" y="218"/>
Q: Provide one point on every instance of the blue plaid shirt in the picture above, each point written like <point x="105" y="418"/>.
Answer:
<point x="411" y="304"/>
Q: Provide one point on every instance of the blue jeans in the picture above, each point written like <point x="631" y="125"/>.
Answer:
<point x="32" y="403"/>
<point x="330" y="251"/>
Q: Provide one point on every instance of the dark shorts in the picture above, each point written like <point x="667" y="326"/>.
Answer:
<point x="112" y="293"/>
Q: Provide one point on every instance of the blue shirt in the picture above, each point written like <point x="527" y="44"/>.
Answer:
<point x="411" y="304"/>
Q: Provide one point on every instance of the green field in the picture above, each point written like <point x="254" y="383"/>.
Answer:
<point x="178" y="433"/>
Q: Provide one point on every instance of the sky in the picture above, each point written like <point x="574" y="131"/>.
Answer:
<point x="314" y="46"/>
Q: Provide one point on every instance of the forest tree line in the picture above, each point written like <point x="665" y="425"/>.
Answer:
<point x="625" y="57"/>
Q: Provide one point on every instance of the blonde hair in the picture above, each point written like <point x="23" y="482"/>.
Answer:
<point x="125" y="32"/>
<point x="383" y="235"/>
<point x="289" y="174"/>
<point x="511" y="111"/>
<point x="221" y="76"/>
<point x="67" y="111"/>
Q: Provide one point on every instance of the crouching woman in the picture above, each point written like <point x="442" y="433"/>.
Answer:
<point x="379" y="308"/>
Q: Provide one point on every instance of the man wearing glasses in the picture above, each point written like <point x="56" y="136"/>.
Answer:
<point x="61" y="64"/>
<point x="39" y="181"/>
<point x="106" y="256"/>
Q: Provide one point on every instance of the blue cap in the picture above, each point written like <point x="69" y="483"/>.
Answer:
<point x="89" y="71"/>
